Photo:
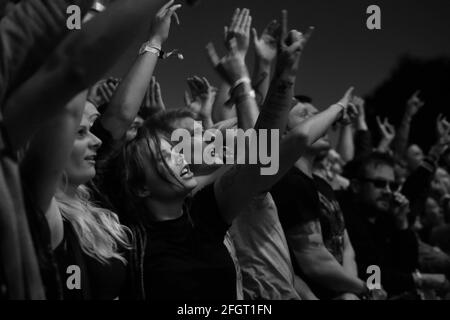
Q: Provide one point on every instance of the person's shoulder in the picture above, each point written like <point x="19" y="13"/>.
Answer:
<point x="297" y="177"/>
<point x="320" y="181"/>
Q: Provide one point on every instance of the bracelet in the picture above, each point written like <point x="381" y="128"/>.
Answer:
<point x="234" y="100"/>
<point x="239" y="82"/>
<point x="240" y="98"/>
<point x="341" y="105"/>
<point x="148" y="47"/>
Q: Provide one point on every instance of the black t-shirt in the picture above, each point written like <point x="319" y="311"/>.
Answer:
<point x="186" y="258"/>
<point x="300" y="199"/>
<point x="296" y="198"/>
<point x="331" y="219"/>
<point x="99" y="281"/>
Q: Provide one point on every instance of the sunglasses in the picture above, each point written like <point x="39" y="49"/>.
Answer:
<point x="382" y="184"/>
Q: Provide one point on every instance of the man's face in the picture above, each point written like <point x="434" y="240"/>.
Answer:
<point x="301" y="112"/>
<point x="376" y="187"/>
<point x="414" y="156"/>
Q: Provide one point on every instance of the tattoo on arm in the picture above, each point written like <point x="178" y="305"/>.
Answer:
<point x="278" y="100"/>
<point x="309" y="232"/>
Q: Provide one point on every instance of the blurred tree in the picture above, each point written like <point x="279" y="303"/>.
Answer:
<point x="432" y="78"/>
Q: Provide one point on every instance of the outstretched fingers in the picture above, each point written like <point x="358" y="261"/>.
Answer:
<point x="212" y="54"/>
<point x="172" y="12"/>
<point x="165" y="7"/>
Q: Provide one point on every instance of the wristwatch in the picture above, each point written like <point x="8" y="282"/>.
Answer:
<point x="148" y="47"/>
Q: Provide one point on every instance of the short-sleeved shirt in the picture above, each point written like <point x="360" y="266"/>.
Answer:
<point x="263" y="253"/>
<point x="331" y="219"/>
<point x="296" y="198"/>
<point x="301" y="199"/>
<point x="186" y="258"/>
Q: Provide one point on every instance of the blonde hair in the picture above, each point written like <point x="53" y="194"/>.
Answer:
<point x="98" y="230"/>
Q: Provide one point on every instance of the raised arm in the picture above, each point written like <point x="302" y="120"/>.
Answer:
<point x="252" y="181"/>
<point x="127" y="100"/>
<point x="345" y="144"/>
<point x="265" y="54"/>
<point x="413" y="106"/>
<point x="29" y="32"/>
<point x="363" y="138"/>
<point x="238" y="29"/>
<point x="82" y="58"/>
<point x="387" y="134"/>
<point x="201" y="99"/>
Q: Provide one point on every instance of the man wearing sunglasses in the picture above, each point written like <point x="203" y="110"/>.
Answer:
<point x="376" y="216"/>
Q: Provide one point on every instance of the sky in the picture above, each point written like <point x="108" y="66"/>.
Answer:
<point x="343" y="52"/>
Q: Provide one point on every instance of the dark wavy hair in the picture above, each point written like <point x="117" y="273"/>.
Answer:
<point x="125" y="174"/>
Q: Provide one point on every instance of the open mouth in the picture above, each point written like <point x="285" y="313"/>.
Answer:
<point x="91" y="158"/>
<point x="186" y="172"/>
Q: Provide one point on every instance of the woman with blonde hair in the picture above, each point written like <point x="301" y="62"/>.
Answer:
<point x="59" y="150"/>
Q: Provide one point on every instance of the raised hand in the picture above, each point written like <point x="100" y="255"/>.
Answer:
<point x="159" y="31"/>
<point x="232" y="66"/>
<point x="400" y="209"/>
<point x="387" y="130"/>
<point x="266" y="45"/>
<point x="239" y="29"/>
<point x="201" y="96"/>
<point x="291" y="45"/>
<point x="414" y="104"/>
<point x="443" y="141"/>
<point x="442" y="125"/>
<point x="153" y="101"/>
<point x="349" y="110"/>
<point x="360" y="121"/>
<point x="102" y="92"/>
<point x="359" y="103"/>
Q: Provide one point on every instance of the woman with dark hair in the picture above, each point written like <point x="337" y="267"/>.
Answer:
<point x="182" y="236"/>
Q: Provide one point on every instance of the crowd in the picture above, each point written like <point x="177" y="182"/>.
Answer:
<point x="91" y="184"/>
